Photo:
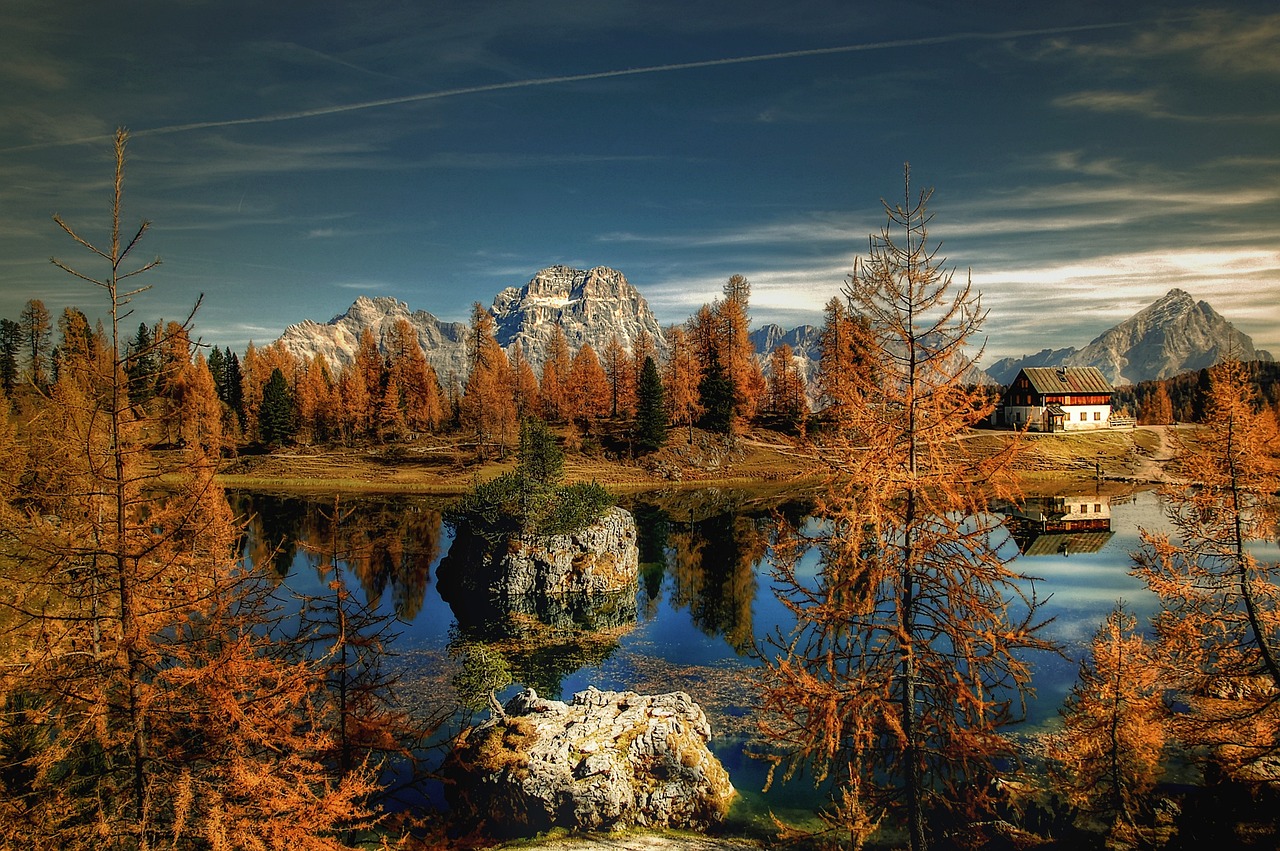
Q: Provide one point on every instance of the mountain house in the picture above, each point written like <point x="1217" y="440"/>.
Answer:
<point x="1064" y="398"/>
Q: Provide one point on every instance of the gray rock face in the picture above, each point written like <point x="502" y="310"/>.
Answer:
<point x="1174" y="334"/>
<point x="604" y="760"/>
<point x="338" y="340"/>
<point x="587" y="579"/>
<point x="590" y="306"/>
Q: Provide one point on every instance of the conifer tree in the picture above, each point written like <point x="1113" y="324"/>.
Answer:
<point x="716" y="397"/>
<point x="488" y="406"/>
<point x="844" y="360"/>
<point x="137" y="659"/>
<point x="786" y="400"/>
<point x="37" y="333"/>
<point x="1219" y="625"/>
<point x="10" y="348"/>
<point x="528" y="403"/>
<point x="1111" y="751"/>
<point x="415" y="379"/>
<point x="641" y="347"/>
<point x="651" y="411"/>
<point x="681" y="380"/>
<point x="588" y="386"/>
<point x="315" y="402"/>
<point x="618" y="366"/>
<point x="907" y="655"/>
<point x="356" y="403"/>
<point x="276" y="418"/>
<point x="554" y="387"/>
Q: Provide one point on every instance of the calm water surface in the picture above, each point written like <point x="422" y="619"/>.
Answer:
<point x="703" y="600"/>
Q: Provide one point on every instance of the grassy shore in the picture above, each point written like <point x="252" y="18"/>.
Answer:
<point x="759" y="459"/>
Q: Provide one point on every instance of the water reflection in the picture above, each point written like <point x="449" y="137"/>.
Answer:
<point x="702" y="601"/>
<point x="389" y="543"/>
<point x="1060" y="525"/>
<point x="701" y="563"/>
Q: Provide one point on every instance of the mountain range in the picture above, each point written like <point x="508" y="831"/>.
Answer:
<point x="1172" y="335"/>
<point x="590" y="306"/>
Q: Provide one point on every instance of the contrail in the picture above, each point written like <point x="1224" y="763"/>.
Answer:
<point x="578" y="78"/>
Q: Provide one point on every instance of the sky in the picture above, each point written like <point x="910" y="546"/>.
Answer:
<point x="1085" y="157"/>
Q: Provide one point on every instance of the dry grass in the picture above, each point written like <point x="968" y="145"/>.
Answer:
<point x="759" y="458"/>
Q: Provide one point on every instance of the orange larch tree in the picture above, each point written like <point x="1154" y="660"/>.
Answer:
<point x="318" y="414"/>
<point x="488" y="406"/>
<point x="525" y="389"/>
<point x="138" y="663"/>
<point x="554" y="387"/>
<point x="416" y="381"/>
<point x="844" y="361"/>
<point x="1219" y="625"/>
<point x="786" y="397"/>
<point x="620" y="369"/>
<point x="908" y="652"/>
<point x="588" y="386"/>
<point x="680" y="380"/>
<point x="1111" y="751"/>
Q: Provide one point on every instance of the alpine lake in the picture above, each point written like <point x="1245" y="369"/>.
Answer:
<point x="702" y="607"/>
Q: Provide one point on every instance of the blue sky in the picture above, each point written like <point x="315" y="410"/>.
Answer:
<point x="1087" y="156"/>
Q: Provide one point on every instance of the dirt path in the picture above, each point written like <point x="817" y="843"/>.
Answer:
<point x="1152" y="464"/>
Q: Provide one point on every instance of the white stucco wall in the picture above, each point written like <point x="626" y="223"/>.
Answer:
<point x="1072" y="421"/>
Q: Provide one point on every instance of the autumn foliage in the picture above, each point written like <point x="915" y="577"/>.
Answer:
<point x="146" y="703"/>
<point x="908" y="654"/>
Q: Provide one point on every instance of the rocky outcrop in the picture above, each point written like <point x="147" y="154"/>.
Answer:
<point x="604" y="760"/>
<point x="586" y="579"/>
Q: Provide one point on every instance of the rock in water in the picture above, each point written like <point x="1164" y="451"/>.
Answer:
<point x="586" y="579"/>
<point x="605" y="760"/>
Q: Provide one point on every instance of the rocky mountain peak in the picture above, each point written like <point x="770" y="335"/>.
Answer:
<point x="1173" y="334"/>
<point x="591" y="306"/>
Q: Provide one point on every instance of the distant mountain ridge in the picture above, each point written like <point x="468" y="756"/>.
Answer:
<point x="591" y="306"/>
<point x="1174" y="334"/>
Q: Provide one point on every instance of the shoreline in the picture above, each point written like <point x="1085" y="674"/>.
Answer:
<point x="759" y="461"/>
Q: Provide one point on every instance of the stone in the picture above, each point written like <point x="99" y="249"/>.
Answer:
<point x="603" y="761"/>
<point x="585" y="580"/>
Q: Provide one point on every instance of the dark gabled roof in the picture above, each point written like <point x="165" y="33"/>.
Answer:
<point x="1067" y="379"/>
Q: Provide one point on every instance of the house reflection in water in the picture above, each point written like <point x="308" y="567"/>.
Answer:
<point x="1060" y="525"/>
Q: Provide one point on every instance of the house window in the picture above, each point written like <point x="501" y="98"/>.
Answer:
<point x="1097" y="415"/>
<point x="1097" y="508"/>
<point x="1084" y="509"/>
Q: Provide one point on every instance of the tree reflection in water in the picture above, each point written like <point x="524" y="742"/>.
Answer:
<point x="386" y="542"/>
<point x="704" y="548"/>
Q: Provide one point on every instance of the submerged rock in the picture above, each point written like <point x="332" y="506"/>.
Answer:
<point x="605" y="760"/>
<point x="586" y="579"/>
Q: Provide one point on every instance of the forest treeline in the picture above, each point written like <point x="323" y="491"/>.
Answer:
<point x="1182" y="398"/>
<point x="709" y="378"/>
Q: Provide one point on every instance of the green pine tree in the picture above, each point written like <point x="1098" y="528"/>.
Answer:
<point x="275" y="418"/>
<point x="715" y="393"/>
<point x="651" y="409"/>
